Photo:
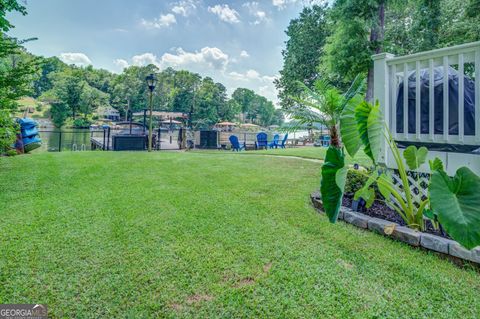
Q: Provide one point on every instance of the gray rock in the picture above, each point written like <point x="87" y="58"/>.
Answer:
<point x="435" y="243"/>
<point x="455" y="249"/>
<point x="377" y="225"/>
<point x="407" y="235"/>
<point x="356" y="219"/>
<point x="318" y="204"/>
<point x="316" y="194"/>
<point x="476" y="254"/>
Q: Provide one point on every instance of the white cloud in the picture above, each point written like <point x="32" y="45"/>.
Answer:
<point x="251" y="75"/>
<point x="252" y="79"/>
<point x="244" y="54"/>
<point x="281" y="4"/>
<point x="144" y="59"/>
<point x="184" y="7"/>
<point x="121" y="63"/>
<point x="255" y="11"/>
<point x="225" y="13"/>
<point x="79" y="59"/>
<point x="164" y="20"/>
<point x="206" y="58"/>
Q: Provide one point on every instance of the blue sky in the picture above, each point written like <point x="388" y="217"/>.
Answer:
<point x="238" y="43"/>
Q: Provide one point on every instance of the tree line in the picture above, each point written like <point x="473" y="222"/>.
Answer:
<point x="335" y="42"/>
<point x="78" y="92"/>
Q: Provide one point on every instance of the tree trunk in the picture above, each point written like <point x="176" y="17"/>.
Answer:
<point x="128" y="109"/>
<point x="376" y="39"/>
<point x="335" y="138"/>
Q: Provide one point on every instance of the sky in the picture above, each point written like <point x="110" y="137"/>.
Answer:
<point x="237" y="43"/>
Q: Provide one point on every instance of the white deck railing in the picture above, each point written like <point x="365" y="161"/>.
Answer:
<point x="390" y="73"/>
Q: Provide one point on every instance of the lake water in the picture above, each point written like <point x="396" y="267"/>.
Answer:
<point x="54" y="139"/>
<point x="69" y="139"/>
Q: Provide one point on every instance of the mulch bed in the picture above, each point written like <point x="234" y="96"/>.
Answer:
<point x="382" y="211"/>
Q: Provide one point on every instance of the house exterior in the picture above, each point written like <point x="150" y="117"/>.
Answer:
<point x="110" y="114"/>
<point x="432" y="99"/>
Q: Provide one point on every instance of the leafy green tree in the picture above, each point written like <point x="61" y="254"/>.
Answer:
<point x="358" y="33"/>
<point x="44" y="83"/>
<point x="8" y="131"/>
<point x="127" y="91"/>
<point x="303" y="52"/>
<point x="17" y="68"/>
<point x="184" y="91"/>
<point x="459" y="24"/>
<point x="244" y="98"/>
<point x="211" y="96"/>
<point x="229" y="110"/>
<point x="473" y="9"/>
<point x="9" y="6"/>
<point x="91" y="99"/>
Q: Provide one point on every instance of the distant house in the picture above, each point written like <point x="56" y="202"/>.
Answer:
<point x="109" y="113"/>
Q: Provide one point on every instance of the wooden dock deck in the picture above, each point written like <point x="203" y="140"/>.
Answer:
<point x="99" y="142"/>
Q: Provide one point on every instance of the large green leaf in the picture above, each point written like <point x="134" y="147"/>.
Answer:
<point x="456" y="202"/>
<point x="375" y="131"/>
<point x="348" y="126"/>
<point x="436" y="164"/>
<point x="415" y="157"/>
<point x="385" y="184"/>
<point x="370" y="128"/>
<point x="331" y="193"/>
<point x="341" y="178"/>
<point x="367" y="192"/>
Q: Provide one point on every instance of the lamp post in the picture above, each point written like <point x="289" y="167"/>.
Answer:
<point x="151" y="82"/>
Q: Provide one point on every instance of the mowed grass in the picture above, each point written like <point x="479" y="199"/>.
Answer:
<point x="185" y="235"/>
<point x="310" y="152"/>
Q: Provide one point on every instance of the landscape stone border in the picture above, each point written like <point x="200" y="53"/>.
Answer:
<point x="401" y="233"/>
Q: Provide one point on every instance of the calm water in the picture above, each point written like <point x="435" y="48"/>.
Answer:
<point x="65" y="139"/>
<point x="69" y="139"/>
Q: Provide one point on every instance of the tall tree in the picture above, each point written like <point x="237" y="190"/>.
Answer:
<point x="17" y="68"/>
<point x="359" y="33"/>
<point x="303" y="52"/>
<point x="244" y="98"/>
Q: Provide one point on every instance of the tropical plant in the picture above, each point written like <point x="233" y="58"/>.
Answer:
<point x="324" y="105"/>
<point x="372" y="132"/>
<point x="453" y="201"/>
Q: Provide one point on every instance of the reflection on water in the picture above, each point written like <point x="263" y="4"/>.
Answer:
<point x="54" y="139"/>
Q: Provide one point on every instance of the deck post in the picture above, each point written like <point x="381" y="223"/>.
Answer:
<point x="103" y="144"/>
<point x="381" y="92"/>
<point x="60" y="141"/>
<point x="108" y="138"/>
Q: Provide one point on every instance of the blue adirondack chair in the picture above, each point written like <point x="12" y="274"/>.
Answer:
<point x="261" y="141"/>
<point x="326" y="141"/>
<point x="282" y="143"/>
<point x="274" y="143"/>
<point x="236" y="144"/>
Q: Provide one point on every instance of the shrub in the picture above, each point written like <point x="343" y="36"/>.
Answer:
<point x="82" y="123"/>
<point x="355" y="181"/>
<point x="8" y="132"/>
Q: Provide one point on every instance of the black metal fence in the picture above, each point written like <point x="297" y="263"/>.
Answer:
<point x="55" y="140"/>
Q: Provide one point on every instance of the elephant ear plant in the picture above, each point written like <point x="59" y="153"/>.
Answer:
<point x="453" y="201"/>
<point x="324" y="104"/>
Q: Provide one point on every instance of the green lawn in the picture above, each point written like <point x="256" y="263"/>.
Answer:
<point x="312" y="153"/>
<point x="109" y="234"/>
